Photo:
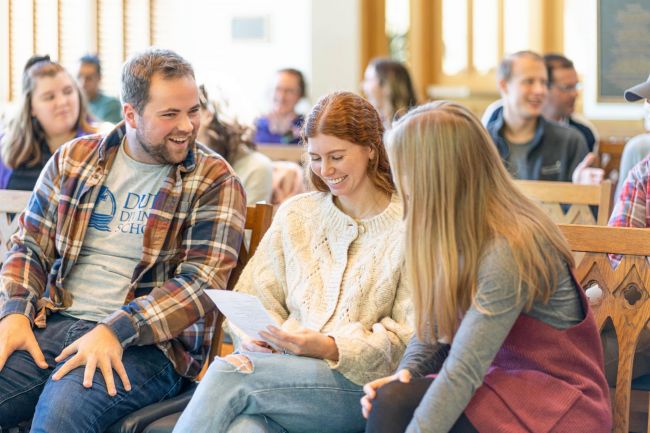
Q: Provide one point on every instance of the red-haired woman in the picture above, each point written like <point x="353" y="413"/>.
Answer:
<point x="329" y="272"/>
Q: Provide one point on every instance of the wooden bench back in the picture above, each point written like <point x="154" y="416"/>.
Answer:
<point x="625" y="294"/>
<point x="552" y="195"/>
<point x="12" y="203"/>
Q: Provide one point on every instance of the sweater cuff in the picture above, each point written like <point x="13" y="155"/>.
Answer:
<point x="346" y="361"/>
<point x="18" y="306"/>
<point x="121" y="324"/>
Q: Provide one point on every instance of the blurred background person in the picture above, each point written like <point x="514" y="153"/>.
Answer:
<point x="233" y="142"/>
<point x="563" y="89"/>
<point x="560" y="103"/>
<point x="282" y="124"/>
<point x="388" y="87"/>
<point x="638" y="147"/>
<point x="50" y="112"/>
<point x="103" y="107"/>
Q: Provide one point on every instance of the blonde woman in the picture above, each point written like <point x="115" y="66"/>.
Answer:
<point x="491" y="274"/>
<point x="51" y="112"/>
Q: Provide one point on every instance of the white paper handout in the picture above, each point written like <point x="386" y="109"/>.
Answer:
<point x="245" y="312"/>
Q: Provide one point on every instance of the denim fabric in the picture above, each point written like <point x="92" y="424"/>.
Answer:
<point x="65" y="405"/>
<point x="297" y="394"/>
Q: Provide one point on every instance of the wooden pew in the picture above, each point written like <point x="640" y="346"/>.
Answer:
<point x="609" y="154"/>
<point x="552" y="195"/>
<point x="625" y="298"/>
<point x="12" y="203"/>
<point x="283" y="152"/>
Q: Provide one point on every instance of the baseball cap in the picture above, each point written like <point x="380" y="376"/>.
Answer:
<point x="640" y="91"/>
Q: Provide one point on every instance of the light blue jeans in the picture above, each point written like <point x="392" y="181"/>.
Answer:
<point x="283" y="393"/>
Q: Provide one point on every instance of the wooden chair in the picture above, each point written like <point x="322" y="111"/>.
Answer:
<point x="258" y="220"/>
<point x="12" y="203"/>
<point x="553" y="195"/>
<point x="609" y="154"/>
<point x="625" y="297"/>
<point x="283" y="152"/>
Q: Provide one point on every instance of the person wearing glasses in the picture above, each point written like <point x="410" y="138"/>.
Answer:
<point x="531" y="146"/>
<point x="282" y="124"/>
<point x="563" y="88"/>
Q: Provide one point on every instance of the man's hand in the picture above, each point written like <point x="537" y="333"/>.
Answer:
<point x="16" y="334"/>
<point x="370" y="389"/>
<point x="303" y="342"/>
<point x="587" y="173"/>
<point x="101" y="349"/>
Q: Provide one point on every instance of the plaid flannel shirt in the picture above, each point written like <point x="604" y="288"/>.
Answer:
<point x="632" y="207"/>
<point x="191" y="242"/>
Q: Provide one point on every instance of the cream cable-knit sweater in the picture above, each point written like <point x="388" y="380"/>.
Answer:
<point x="317" y="267"/>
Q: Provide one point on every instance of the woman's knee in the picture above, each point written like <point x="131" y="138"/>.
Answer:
<point x="393" y="397"/>
<point x="254" y="424"/>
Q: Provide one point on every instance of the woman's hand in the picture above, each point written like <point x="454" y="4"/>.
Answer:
<point x="370" y="389"/>
<point x="302" y="342"/>
<point x="256" y="346"/>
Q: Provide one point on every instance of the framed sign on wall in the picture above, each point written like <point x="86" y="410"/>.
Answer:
<point x="623" y="29"/>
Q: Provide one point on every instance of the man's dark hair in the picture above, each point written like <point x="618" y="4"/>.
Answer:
<point x="555" y="61"/>
<point x="92" y="59"/>
<point x="141" y="67"/>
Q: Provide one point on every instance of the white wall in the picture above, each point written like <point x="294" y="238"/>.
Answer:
<point x="4" y="54"/>
<point x="318" y="37"/>
<point x="335" y="50"/>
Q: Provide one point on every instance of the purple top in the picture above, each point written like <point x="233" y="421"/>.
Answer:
<point x="24" y="177"/>
<point x="264" y="135"/>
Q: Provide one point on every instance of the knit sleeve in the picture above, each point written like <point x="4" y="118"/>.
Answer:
<point x="368" y="354"/>
<point x="422" y="358"/>
<point x="264" y="275"/>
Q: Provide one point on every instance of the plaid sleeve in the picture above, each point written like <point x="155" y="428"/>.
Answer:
<point x="32" y="252"/>
<point x="631" y="209"/>
<point x="211" y="239"/>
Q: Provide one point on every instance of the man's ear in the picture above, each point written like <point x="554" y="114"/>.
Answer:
<point x="502" y="85"/>
<point x="130" y="115"/>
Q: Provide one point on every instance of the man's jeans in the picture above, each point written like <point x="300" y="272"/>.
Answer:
<point x="65" y="405"/>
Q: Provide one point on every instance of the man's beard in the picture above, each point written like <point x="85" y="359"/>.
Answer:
<point x="160" y="152"/>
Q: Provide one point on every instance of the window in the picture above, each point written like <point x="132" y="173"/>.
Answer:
<point x="476" y="34"/>
<point x="397" y="26"/>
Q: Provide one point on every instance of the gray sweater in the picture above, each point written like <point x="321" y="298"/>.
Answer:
<point x="480" y="337"/>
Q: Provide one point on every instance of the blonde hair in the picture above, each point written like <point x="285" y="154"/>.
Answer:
<point x="458" y="197"/>
<point x="22" y="141"/>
